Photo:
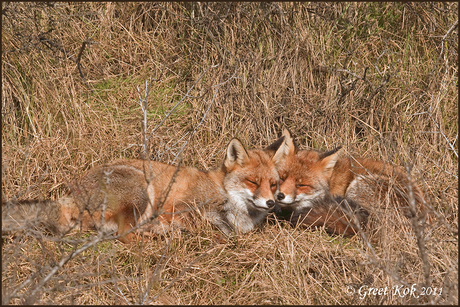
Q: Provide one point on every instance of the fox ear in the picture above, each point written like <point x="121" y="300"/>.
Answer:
<point x="285" y="147"/>
<point x="290" y="142"/>
<point x="236" y="154"/>
<point x="273" y="148"/>
<point x="329" y="159"/>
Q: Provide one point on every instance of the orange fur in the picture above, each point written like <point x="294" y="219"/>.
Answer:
<point x="120" y="195"/>
<point x="309" y="175"/>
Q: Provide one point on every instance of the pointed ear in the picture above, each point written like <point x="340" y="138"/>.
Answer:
<point x="273" y="148"/>
<point x="282" y="148"/>
<point x="290" y="142"/>
<point x="329" y="159"/>
<point x="236" y="155"/>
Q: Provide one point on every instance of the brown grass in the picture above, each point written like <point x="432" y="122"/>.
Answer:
<point x="378" y="78"/>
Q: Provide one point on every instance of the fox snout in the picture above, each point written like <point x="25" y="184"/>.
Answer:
<point x="261" y="204"/>
<point x="270" y="203"/>
<point x="285" y="200"/>
<point x="280" y="196"/>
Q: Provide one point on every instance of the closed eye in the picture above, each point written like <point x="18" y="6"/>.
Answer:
<point x="303" y="185"/>
<point x="253" y="182"/>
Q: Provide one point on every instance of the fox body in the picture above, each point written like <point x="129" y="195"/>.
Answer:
<point x="129" y="192"/>
<point x="306" y="177"/>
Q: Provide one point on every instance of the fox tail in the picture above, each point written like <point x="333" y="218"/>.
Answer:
<point x="56" y="216"/>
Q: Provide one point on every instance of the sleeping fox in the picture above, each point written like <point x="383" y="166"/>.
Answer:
<point x="307" y="177"/>
<point x="128" y="192"/>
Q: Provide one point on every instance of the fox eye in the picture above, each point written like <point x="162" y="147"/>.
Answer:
<point x="252" y="182"/>
<point x="299" y="185"/>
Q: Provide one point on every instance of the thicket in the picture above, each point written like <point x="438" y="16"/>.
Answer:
<point x="380" y="79"/>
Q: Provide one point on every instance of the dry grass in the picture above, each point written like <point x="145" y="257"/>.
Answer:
<point x="378" y="78"/>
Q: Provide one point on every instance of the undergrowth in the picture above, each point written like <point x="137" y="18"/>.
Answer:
<point x="379" y="78"/>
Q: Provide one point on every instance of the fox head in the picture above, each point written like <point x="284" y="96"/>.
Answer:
<point x="251" y="178"/>
<point x="304" y="175"/>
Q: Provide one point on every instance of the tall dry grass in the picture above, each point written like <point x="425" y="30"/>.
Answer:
<point x="378" y="78"/>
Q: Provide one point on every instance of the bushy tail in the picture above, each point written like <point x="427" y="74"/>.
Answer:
<point x="55" y="216"/>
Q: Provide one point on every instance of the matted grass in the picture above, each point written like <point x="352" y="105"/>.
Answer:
<point x="379" y="79"/>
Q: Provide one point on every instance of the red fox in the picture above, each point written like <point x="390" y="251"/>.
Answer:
<point x="116" y="197"/>
<point x="307" y="177"/>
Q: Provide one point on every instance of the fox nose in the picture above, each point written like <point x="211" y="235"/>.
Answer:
<point x="280" y="196"/>
<point x="270" y="203"/>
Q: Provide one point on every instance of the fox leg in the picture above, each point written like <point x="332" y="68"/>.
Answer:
<point x="339" y="216"/>
<point x="317" y="217"/>
<point x="126" y="220"/>
<point x="166" y="223"/>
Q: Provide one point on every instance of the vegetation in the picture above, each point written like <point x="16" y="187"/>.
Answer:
<point x="380" y="79"/>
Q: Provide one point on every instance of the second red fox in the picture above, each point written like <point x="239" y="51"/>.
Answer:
<point x="307" y="177"/>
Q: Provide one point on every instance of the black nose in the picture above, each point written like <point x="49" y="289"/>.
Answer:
<point x="280" y="196"/>
<point x="270" y="203"/>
